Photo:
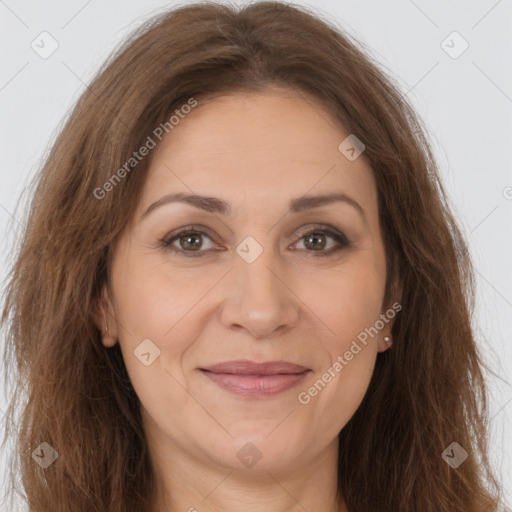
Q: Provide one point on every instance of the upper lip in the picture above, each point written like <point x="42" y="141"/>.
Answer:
<point x="245" y="367"/>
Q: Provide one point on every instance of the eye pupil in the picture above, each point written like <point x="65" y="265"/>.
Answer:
<point x="313" y="239"/>
<point x="187" y="244"/>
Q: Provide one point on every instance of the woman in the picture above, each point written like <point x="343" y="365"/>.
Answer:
<point x="241" y="287"/>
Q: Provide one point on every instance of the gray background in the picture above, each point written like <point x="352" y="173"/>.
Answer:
<point x="466" y="103"/>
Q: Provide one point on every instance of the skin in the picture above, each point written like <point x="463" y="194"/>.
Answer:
<point x="256" y="152"/>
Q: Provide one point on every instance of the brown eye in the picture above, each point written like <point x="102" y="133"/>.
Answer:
<point x="188" y="241"/>
<point x="317" y="240"/>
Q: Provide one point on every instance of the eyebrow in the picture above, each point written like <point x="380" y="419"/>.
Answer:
<point x="216" y="205"/>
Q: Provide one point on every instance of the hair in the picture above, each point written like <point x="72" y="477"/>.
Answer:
<point x="73" y="393"/>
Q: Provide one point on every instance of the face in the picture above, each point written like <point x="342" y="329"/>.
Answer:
<point x="252" y="276"/>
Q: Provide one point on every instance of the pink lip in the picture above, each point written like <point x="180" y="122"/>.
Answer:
<point x="251" y="379"/>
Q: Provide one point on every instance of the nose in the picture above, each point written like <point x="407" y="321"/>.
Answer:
<point x="262" y="301"/>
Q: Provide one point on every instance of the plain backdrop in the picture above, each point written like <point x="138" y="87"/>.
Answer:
<point x="464" y="97"/>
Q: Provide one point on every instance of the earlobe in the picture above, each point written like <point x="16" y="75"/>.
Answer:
<point x="385" y="343"/>
<point x="104" y="319"/>
<point x="107" y="338"/>
<point x="386" y="340"/>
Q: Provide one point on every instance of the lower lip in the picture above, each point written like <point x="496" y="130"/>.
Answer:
<point x="256" y="385"/>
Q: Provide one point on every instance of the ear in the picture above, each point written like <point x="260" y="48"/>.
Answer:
<point x="388" y="316"/>
<point x="104" y="318"/>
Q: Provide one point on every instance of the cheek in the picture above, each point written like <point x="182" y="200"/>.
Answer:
<point x="151" y="300"/>
<point x="333" y="395"/>
<point x="151" y="318"/>
<point x="154" y="335"/>
<point x="346" y="301"/>
<point x="352" y="385"/>
<point x="350" y="305"/>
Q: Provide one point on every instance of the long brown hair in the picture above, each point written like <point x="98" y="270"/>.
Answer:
<point x="71" y="392"/>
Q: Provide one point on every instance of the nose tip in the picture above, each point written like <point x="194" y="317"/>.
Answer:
<point x="260" y="322"/>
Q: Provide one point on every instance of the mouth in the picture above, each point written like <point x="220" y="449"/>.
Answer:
<point x="256" y="380"/>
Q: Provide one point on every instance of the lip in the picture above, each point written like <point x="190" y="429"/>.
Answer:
<point x="250" y="379"/>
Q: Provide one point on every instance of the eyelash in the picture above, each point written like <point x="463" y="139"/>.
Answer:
<point x="196" y="230"/>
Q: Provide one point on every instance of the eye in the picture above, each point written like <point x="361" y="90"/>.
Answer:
<point x="189" y="240"/>
<point x="316" y="240"/>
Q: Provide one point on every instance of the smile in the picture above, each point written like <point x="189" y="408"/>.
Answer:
<point x="256" y="380"/>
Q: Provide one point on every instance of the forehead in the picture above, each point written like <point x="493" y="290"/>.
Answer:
<point x="258" y="147"/>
